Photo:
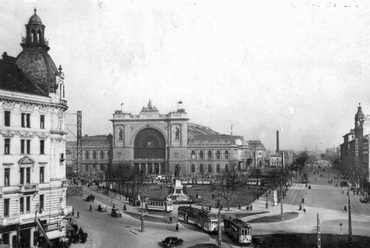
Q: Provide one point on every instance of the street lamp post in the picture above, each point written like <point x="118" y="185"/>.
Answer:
<point x="219" y="228"/>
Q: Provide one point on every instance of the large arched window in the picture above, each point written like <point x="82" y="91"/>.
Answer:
<point x="209" y="168"/>
<point x="87" y="155"/>
<point x="149" y="144"/>
<point x="193" y="155"/>
<point x="226" y="154"/>
<point x="226" y="168"/>
<point x="218" y="155"/>
<point x="192" y="168"/>
<point x="209" y="155"/>
<point x="201" y="169"/>
<point x="94" y="154"/>
<point x="218" y="168"/>
<point x="102" y="154"/>
<point x="201" y="155"/>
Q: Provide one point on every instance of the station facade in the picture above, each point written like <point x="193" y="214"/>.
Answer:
<point x="155" y="143"/>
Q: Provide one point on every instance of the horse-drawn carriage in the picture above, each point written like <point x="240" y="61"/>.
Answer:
<point x="116" y="212"/>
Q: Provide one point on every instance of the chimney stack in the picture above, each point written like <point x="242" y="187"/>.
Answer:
<point x="277" y="141"/>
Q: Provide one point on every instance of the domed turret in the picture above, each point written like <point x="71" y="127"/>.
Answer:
<point x="35" y="19"/>
<point x="359" y="117"/>
<point x="34" y="60"/>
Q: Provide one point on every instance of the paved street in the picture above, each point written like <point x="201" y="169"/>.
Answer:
<point x="323" y="198"/>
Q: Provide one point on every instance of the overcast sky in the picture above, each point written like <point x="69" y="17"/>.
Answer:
<point x="298" y="66"/>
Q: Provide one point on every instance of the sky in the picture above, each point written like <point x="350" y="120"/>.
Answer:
<point x="299" y="67"/>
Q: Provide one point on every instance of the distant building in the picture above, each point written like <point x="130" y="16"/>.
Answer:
<point x="32" y="134"/>
<point x="154" y="143"/>
<point x="95" y="157"/>
<point x="354" y="151"/>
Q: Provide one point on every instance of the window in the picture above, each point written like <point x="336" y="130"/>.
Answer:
<point x="201" y="168"/>
<point x="201" y="155"/>
<point x="21" y="205"/>
<point x="7" y="118"/>
<point x="193" y="155"/>
<point x="6" y="177"/>
<point x="94" y="154"/>
<point x="28" y="146"/>
<point x="209" y="168"/>
<point x="101" y="167"/>
<point x="42" y="174"/>
<point x="218" y="168"/>
<point x="26" y="120"/>
<point x="41" y="202"/>
<point x="28" y="204"/>
<point x="193" y="168"/>
<point x="226" y="168"/>
<point x="21" y="174"/>
<point x="102" y="154"/>
<point x="6" y="207"/>
<point x="209" y="155"/>
<point x="7" y="146"/>
<point x="42" y="146"/>
<point x="22" y="146"/>
<point x="226" y="154"/>
<point x="218" y="155"/>
<point x="42" y="121"/>
<point x="87" y="155"/>
<point x="28" y="175"/>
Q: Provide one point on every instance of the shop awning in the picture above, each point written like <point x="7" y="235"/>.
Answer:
<point x="55" y="234"/>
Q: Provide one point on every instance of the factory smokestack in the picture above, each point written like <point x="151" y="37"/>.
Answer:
<point x="277" y="141"/>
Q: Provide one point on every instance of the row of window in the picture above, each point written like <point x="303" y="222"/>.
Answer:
<point x="25" y="146"/>
<point x="94" y="155"/>
<point x="25" y="120"/>
<point x="24" y="205"/>
<point x="209" y="168"/>
<point x="24" y="175"/>
<point x="210" y="155"/>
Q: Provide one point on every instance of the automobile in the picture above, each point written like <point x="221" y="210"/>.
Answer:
<point x="102" y="208"/>
<point x="364" y="200"/>
<point x="90" y="197"/>
<point x="172" y="241"/>
<point x="116" y="212"/>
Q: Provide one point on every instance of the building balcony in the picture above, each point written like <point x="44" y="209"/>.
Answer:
<point x="9" y="221"/>
<point x="29" y="188"/>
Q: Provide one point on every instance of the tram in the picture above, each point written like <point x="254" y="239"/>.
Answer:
<point x="203" y="219"/>
<point x="238" y="230"/>
<point x="158" y="204"/>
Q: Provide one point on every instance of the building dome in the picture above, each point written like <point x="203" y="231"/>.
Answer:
<point x="35" y="19"/>
<point x="359" y="114"/>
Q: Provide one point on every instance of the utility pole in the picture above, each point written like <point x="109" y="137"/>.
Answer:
<point x="219" y="228"/>
<point x="281" y="199"/>
<point x="349" y="223"/>
<point x="318" y="232"/>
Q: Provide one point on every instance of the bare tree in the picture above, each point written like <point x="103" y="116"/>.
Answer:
<point x="228" y="183"/>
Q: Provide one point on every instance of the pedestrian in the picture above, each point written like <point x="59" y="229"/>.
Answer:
<point x="300" y="207"/>
<point x="304" y="210"/>
<point x="177" y="227"/>
<point x="302" y="200"/>
<point x="345" y="208"/>
<point x="170" y="219"/>
<point x="114" y="206"/>
<point x="73" y="212"/>
<point x="90" y="209"/>
<point x="78" y="214"/>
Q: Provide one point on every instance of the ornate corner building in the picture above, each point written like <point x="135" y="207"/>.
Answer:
<point x="154" y="143"/>
<point x="32" y="139"/>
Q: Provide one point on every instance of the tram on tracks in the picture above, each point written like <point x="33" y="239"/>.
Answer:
<point x="159" y="204"/>
<point x="203" y="219"/>
<point x="238" y="230"/>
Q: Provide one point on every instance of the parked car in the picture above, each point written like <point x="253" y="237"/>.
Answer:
<point x="102" y="208"/>
<point x="116" y="212"/>
<point x="172" y="241"/>
<point x="90" y="197"/>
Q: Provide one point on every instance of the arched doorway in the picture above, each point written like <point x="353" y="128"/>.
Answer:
<point x="149" y="151"/>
